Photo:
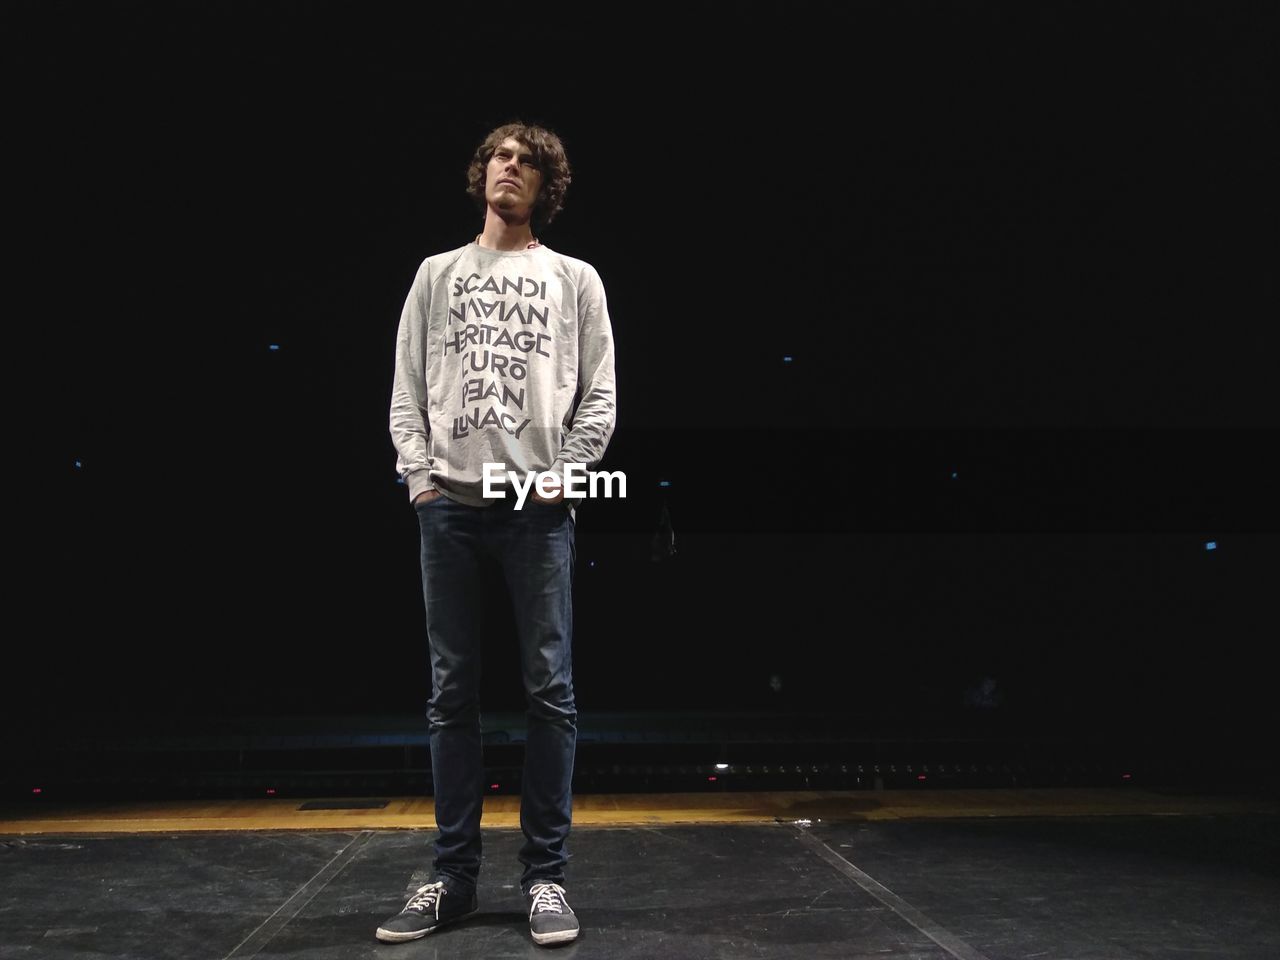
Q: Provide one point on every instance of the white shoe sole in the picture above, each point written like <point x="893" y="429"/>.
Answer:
<point x="391" y="936"/>
<point x="557" y="936"/>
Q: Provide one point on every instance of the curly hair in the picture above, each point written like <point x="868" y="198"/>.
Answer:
<point x="548" y="157"/>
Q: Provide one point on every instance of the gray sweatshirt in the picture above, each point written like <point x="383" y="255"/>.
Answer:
<point x="501" y="357"/>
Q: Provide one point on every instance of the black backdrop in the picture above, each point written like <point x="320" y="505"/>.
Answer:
<point x="945" y="334"/>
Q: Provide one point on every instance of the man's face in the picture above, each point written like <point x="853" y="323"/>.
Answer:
<point x="512" y="181"/>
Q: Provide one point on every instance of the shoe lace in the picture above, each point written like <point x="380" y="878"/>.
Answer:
<point x="547" y="897"/>
<point x="427" y="897"/>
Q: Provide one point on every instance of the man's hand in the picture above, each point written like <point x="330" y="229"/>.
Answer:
<point x="556" y="496"/>
<point x="426" y="496"/>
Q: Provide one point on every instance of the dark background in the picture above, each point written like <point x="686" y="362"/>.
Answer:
<point x="1021" y="259"/>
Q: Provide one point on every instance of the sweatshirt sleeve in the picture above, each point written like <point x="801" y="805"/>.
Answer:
<point x="410" y="429"/>
<point x="594" y="418"/>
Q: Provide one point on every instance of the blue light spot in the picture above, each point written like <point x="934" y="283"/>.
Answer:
<point x="79" y="464"/>
<point x="274" y="346"/>
<point x="786" y="359"/>
<point x="400" y="480"/>
<point x="664" y="483"/>
<point x="1211" y="545"/>
<point x="593" y="563"/>
<point x="954" y="475"/>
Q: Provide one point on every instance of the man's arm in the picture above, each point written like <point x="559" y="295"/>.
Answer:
<point x="596" y="414"/>
<point x="410" y="428"/>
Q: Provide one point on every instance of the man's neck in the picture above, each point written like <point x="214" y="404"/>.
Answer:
<point x="500" y="235"/>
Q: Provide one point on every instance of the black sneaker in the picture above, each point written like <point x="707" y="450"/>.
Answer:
<point x="431" y="908"/>
<point x="550" y="919"/>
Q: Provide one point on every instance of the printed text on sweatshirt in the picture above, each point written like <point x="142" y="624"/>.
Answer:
<point x="501" y="357"/>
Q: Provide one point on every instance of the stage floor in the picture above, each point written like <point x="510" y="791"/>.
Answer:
<point x="1112" y="873"/>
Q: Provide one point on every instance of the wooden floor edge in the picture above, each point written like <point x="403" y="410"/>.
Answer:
<point x="630" y="810"/>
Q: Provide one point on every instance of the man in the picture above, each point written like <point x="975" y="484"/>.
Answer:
<point x="504" y="356"/>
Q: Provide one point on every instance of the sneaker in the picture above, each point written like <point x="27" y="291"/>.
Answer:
<point x="431" y="908"/>
<point x="550" y="919"/>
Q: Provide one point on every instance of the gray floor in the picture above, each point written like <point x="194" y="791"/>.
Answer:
<point x="1076" y="888"/>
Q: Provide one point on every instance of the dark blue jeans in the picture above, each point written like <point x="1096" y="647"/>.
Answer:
<point x="535" y="549"/>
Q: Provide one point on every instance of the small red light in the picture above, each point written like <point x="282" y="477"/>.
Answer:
<point x="37" y="790"/>
<point x="493" y="786"/>
<point x="1126" y="776"/>
<point x="711" y="779"/>
<point x="271" y="791"/>
<point x="922" y="777"/>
